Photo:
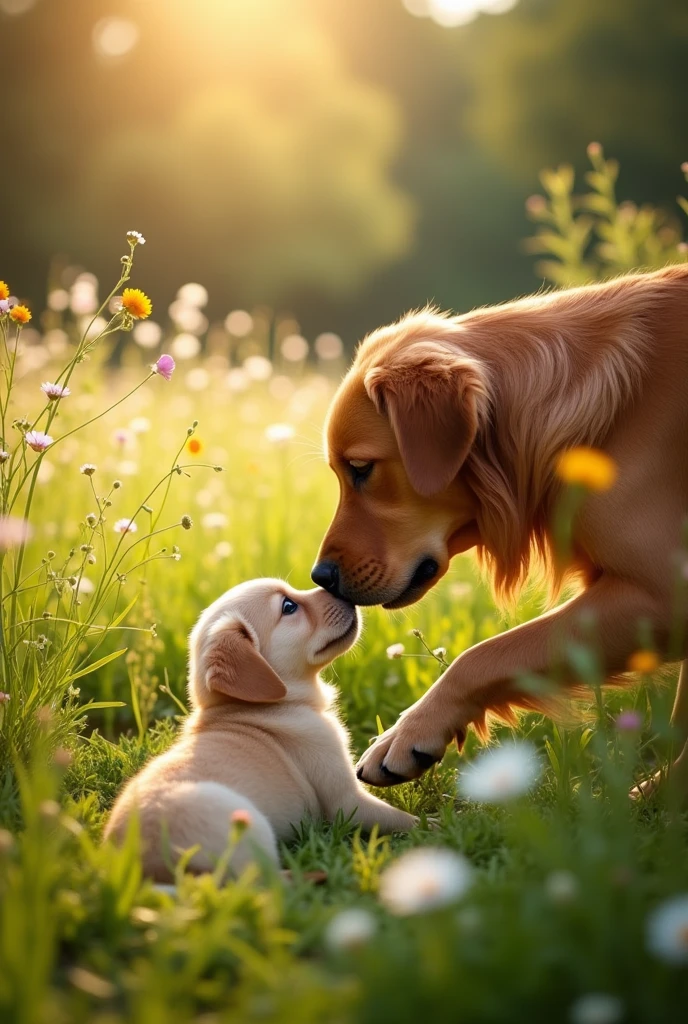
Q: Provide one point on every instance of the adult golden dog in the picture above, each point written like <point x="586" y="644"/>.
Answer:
<point x="444" y="436"/>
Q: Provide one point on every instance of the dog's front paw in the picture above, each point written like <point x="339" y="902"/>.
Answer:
<point x="405" y="751"/>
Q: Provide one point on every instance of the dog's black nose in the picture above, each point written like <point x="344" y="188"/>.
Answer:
<point x="326" y="575"/>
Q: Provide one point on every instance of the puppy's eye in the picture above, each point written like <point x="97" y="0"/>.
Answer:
<point x="289" y="606"/>
<point x="360" y="470"/>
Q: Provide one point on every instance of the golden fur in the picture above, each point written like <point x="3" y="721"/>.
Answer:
<point x="457" y="422"/>
<point x="264" y="736"/>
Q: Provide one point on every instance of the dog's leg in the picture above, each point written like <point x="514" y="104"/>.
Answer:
<point x="484" y="678"/>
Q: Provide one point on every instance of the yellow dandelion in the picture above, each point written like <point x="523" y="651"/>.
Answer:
<point x="643" y="662"/>
<point x="20" y="314"/>
<point x="588" y="467"/>
<point x="136" y="303"/>
<point x="4" y="290"/>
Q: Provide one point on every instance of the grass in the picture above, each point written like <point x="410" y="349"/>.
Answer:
<point x="565" y="879"/>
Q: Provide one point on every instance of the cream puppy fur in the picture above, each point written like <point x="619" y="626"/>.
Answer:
<point x="264" y="735"/>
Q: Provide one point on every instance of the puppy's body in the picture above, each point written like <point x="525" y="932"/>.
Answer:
<point x="280" y="756"/>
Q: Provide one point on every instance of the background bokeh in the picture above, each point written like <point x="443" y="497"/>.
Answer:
<point x="338" y="161"/>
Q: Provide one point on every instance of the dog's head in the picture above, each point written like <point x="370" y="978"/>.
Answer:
<point x="399" y="430"/>
<point x="263" y="640"/>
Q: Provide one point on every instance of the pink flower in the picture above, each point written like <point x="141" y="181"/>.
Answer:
<point x="629" y="721"/>
<point x="5" y="306"/>
<point x="13" y="532"/>
<point x="4" y="697"/>
<point x="55" y="391"/>
<point x="164" y="366"/>
<point x="125" y="526"/>
<point x="241" y="817"/>
<point x="37" y="440"/>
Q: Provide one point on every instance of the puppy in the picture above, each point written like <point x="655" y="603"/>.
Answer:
<point x="264" y="736"/>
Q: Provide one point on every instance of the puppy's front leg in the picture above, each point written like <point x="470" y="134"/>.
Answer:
<point x="367" y="810"/>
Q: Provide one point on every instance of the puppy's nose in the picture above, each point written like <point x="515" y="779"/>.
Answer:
<point x="326" y="575"/>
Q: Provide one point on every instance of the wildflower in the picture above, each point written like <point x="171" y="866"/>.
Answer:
<point x="84" y="585"/>
<point x="536" y="205"/>
<point x="62" y="757"/>
<point x="4" y="697"/>
<point x="279" y="433"/>
<point x="501" y="773"/>
<point x="350" y="929"/>
<point x="424" y="879"/>
<point x="258" y="367"/>
<point x="186" y="345"/>
<point x="186" y="522"/>
<point x="125" y="526"/>
<point x="561" y="886"/>
<point x="667" y="930"/>
<point x="4" y="290"/>
<point x="91" y="519"/>
<point x="88" y="469"/>
<point x="4" y="306"/>
<point x="37" y="440"/>
<point x="4" y="456"/>
<point x="140" y="425"/>
<point x="194" y="446"/>
<point x="136" y="303"/>
<point x="55" y="391"/>
<point x="135" y="238"/>
<point x="116" y="484"/>
<point x="395" y="651"/>
<point x="49" y="808"/>
<point x="440" y="652"/>
<point x="588" y="467"/>
<point x="20" y="314"/>
<point x="121" y="436"/>
<point x="214" y="521"/>
<point x="628" y="721"/>
<point x="643" y="662"/>
<point x="596" y="1008"/>
<point x="13" y="532"/>
<point x="147" y="334"/>
<point x="240" y="821"/>
<point x="164" y="366"/>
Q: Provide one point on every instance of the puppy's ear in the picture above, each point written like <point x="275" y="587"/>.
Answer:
<point x="232" y="667"/>
<point x="433" y="399"/>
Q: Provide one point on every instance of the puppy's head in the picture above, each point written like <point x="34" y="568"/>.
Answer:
<point x="398" y="433"/>
<point x="264" y="639"/>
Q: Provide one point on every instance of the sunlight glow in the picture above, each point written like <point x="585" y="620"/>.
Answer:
<point x="451" y="13"/>
<point x="115" y="37"/>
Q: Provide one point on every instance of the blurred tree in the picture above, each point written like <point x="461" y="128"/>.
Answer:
<point x="550" y="76"/>
<point x="272" y="177"/>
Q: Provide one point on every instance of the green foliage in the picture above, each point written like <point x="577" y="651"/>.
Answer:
<point x="592" y="236"/>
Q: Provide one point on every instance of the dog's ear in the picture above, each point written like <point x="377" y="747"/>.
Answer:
<point x="433" y="398"/>
<point x="231" y="666"/>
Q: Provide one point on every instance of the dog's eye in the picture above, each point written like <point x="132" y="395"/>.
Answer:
<point x="289" y="606"/>
<point x="360" y="470"/>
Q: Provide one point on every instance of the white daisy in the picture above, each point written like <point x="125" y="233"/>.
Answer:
<point x="667" y="930"/>
<point x="350" y="929"/>
<point x="501" y="773"/>
<point x="424" y="879"/>
<point x="125" y="526"/>
<point x="596" y="1008"/>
